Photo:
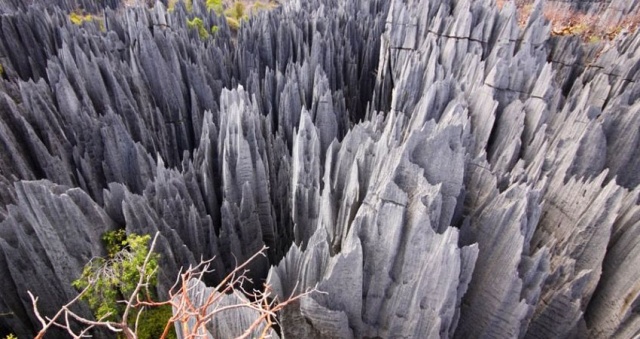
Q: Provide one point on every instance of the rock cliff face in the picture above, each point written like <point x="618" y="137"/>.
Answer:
<point x="435" y="168"/>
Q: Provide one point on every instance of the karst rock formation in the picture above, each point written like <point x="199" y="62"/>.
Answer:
<point x="436" y="168"/>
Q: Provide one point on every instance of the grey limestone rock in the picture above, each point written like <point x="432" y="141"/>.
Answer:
<point x="47" y="237"/>
<point x="230" y="323"/>
<point x="435" y="168"/>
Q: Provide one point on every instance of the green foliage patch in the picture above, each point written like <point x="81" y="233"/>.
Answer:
<point x="114" y="241"/>
<point x="171" y="5"/>
<point x="235" y="14"/>
<point x="216" y="6"/>
<point x="152" y="321"/>
<point x="108" y="280"/>
<point x="236" y="11"/>
<point x="78" y="19"/>
<point x="233" y="24"/>
<point x="197" y="24"/>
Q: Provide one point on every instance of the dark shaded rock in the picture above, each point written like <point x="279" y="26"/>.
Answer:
<point x="46" y="238"/>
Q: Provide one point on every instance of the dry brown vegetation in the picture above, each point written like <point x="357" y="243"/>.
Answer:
<point x="592" y="27"/>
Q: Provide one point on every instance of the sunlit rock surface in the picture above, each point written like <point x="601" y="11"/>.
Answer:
<point x="435" y="169"/>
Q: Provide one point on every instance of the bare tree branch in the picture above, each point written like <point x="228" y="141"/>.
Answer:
<point x="190" y="311"/>
<point x="142" y="270"/>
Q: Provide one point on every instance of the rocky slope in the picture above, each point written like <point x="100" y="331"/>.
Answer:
<point x="433" y="167"/>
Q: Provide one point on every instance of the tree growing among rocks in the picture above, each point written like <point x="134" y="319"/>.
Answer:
<point x="120" y="290"/>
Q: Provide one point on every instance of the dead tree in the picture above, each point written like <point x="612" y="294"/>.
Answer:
<point x="192" y="316"/>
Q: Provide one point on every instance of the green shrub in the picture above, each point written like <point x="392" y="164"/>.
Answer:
<point x="171" y="5"/>
<point x="152" y="321"/>
<point x="78" y="19"/>
<point x="236" y="11"/>
<point x="108" y="280"/>
<point x="233" y="23"/>
<point x="114" y="241"/>
<point x="196" y="23"/>
<point x="214" y="30"/>
<point x="216" y="6"/>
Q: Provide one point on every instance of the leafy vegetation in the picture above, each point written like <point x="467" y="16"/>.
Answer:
<point x="233" y="24"/>
<point x="114" y="241"/>
<point x="171" y="5"/>
<point x="197" y="24"/>
<point x="192" y="313"/>
<point x="152" y="321"/>
<point x="108" y="280"/>
<point x="79" y="18"/>
<point x="235" y="14"/>
<point x="236" y="11"/>
<point x="115" y="278"/>
<point x="216" y="6"/>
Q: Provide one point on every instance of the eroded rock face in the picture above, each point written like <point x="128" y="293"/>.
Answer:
<point x="436" y="169"/>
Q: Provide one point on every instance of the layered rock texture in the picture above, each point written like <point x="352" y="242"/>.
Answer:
<point x="435" y="169"/>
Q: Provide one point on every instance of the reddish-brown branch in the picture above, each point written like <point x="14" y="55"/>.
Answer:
<point x="184" y="308"/>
